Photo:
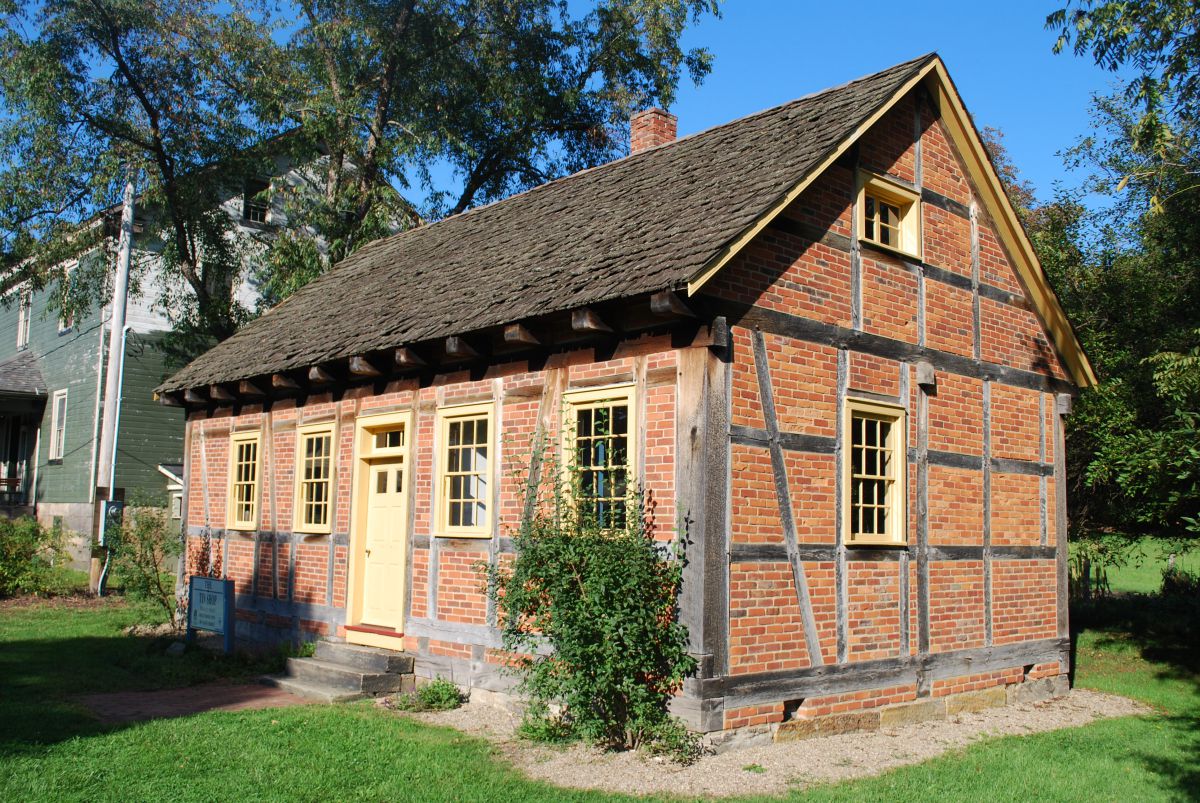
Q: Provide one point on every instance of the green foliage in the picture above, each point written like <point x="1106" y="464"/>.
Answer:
<point x="28" y="554"/>
<point x="1159" y="40"/>
<point x="437" y="695"/>
<point x="143" y="547"/>
<point x="589" y="613"/>
<point x="100" y="91"/>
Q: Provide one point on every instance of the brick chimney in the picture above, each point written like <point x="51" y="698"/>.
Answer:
<point x="649" y="128"/>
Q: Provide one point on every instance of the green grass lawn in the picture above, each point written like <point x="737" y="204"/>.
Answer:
<point x="52" y="749"/>
<point x="1142" y="572"/>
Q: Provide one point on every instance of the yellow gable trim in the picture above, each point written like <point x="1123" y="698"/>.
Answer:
<point x="983" y="176"/>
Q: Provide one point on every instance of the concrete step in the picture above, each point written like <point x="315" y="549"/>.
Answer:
<point x="311" y="691"/>
<point x="326" y="673"/>
<point x="366" y="659"/>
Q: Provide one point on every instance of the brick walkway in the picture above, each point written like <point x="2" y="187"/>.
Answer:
<point x="134" y="706"/>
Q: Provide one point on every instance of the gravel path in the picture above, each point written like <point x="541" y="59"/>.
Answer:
<point x="776" y="768"/>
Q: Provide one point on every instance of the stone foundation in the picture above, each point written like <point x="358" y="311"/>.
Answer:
<point x="893" y="715"/>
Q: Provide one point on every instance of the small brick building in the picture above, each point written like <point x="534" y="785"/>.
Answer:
<point x="819" y="335"/>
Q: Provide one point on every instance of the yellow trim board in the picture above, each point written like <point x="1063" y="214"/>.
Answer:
<point x="987" y="183"/>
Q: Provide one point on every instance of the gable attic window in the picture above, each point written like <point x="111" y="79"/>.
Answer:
<point x="889" y="215"/>
<point x="256" y="206"/>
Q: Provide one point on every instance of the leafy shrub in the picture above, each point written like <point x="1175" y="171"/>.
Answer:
<point x="29" y="553"/>
<point x="437" y="695"/>
<point x="143" y="546"/>
<point x="588" y="610"/>
<point x="1180" y="583"/>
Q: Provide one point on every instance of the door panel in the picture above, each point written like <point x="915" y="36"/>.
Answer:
<point x="385" y="544"/>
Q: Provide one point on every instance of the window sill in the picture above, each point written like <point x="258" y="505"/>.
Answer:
<point x="888" y="249"/>
<point x="476" y="535"/>
<point x="876" y="543"/>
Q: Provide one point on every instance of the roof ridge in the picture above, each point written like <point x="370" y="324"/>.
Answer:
<point x="613" y="163"/>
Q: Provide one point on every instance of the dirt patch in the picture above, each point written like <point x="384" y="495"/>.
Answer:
<point x="79" y="601"/>
<point x="776" y="768"/>
<point x="136" y="706"/>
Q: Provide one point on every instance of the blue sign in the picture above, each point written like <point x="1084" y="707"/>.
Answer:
<point x="210" y="607"/>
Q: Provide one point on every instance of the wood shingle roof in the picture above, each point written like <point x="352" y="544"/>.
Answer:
<point x="645" y="223"/>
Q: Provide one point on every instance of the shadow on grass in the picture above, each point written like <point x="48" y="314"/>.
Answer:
<point x="41" y="681"/>
<point x="1165" y="631"/>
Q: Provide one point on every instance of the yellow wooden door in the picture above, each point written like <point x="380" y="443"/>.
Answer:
<point x="385" y="545"/>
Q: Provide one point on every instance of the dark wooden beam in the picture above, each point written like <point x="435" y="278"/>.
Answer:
<point x="586" y="321"/>
<point x="407" y="358"/>
<point x="361" y="366"/>
<point x="667" y="304"/>
<point x="194" y="396"/>
<point x="168" y="399"/>
<point x="319" y="376"/>
<point x="458" y="348"/>
<point x="219" y="393"/>
<point x="283" y="382"/>
<point x="250" y="390"/>
<point x="518" y="335"/>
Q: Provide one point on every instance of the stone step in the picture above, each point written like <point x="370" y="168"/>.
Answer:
<point x="366" y="659"/>
<point x="316" y="672"/>
<point x="311" y="691"/>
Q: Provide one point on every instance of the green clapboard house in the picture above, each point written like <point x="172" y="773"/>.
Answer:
<point x="52" y="379"/>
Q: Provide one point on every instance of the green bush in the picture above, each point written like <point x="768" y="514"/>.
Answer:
<point x="437" y="695"/>
<point x="29" y="554"/>
<point x="142" y="547"/>
<point x="588" y="610"/>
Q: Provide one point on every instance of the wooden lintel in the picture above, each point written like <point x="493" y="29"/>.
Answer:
<point x="361" y="366"/>
<point x="587" y="321"/>
<point x="248" y="389"/>
<point x="458" y="347"/>
<point x="219" y="393"/>
<point x="668" y="304"/>
<point x="319" y="376"/>
<point x="193" y="396"/>
<point x="518" y="334"/>
<point x="283" y="382"/>
<point x="407" y="358"/>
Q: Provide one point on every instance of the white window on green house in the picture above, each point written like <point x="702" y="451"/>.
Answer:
<point x="24" y="319"/>
<point x="58" y="424"/>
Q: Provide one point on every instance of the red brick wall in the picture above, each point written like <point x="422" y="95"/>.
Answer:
<point x="649" y="362"/>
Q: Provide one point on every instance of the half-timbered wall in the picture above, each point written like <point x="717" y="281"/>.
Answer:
<point x="818" y="626"/>
<point x="294" y="585"/>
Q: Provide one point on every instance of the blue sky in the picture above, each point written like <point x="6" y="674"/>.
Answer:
<point x="768" y="52"/>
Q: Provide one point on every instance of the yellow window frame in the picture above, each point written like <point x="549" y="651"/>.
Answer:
<point x="302" y="504"/>
<point x="908" y="206"/>
<point x="596" y="398"/>
<point x="239" y="441"/>
<point x="453" y="453"/>
<point x="859" y="471"/>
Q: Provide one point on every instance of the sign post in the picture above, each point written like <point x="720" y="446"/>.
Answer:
<point x="210" y="607"/>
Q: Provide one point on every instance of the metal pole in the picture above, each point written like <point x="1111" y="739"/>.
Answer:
<point x="116" y="354"/>
<point x="112" y="469"/>
<point x="106" y="459"/>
